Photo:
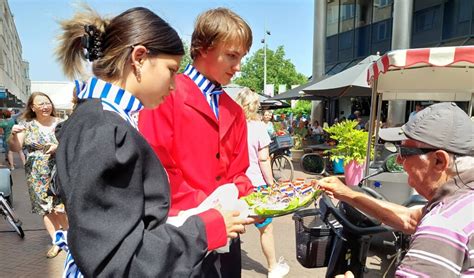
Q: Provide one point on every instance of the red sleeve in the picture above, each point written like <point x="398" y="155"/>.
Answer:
<point x="157" y="127"/>
<point x="240" y="162"/>
<point x="215" y="229"/>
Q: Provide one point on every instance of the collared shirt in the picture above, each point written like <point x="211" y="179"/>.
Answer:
<point x="113" y="98"/>
<point x="210" y="90"/>
<point x="443" y="243"/>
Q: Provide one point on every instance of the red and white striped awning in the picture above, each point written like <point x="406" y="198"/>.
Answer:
<point x="423" y="57"/>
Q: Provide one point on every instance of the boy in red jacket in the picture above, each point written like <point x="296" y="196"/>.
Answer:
<point x="199" y="133"/>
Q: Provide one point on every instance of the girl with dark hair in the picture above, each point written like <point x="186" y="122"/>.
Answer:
<point x="35" y="133"/>
<point x="116" y="190"/>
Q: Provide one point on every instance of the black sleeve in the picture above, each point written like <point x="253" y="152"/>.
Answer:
<point x="115" y="230"/>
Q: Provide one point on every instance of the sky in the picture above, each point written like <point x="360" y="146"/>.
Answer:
<point x="290" y="23"/>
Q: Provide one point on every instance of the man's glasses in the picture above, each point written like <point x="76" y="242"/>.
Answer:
<point x="43" y="104"/>
<point x="405" y="152"/>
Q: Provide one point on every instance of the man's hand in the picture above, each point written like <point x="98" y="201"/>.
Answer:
<point x="334" y="188"/>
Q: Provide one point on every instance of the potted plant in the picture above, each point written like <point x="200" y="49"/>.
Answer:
<point x="351" y="147"/>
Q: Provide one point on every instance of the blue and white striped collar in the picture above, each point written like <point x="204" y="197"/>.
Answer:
<point x="204" y="84"/>
<point x="113" y="98"/>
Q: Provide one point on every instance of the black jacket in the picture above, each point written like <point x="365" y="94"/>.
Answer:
<point x="117" y="196"/>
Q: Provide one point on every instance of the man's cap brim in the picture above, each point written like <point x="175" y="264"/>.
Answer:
<point x="392" y="134"/>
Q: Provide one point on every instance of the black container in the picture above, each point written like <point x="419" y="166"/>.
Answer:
<point x="313" y="239"/>
<point x="281" y="142"/>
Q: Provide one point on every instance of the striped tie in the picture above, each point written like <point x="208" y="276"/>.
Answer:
<point x="215" y="102"/>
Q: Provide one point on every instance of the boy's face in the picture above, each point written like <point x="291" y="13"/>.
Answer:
<point x="222" y="62"/>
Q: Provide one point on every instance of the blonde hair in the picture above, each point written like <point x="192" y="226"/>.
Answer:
<point x="115" y="39"/>
<point x="250" y="103"/>
<point x="217" y="26"/>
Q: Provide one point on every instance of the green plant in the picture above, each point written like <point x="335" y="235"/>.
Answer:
<point x="351" y="142"/>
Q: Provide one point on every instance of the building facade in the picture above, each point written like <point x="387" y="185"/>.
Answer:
<point x="356" y="29"/>
<point x="15" y="85"/>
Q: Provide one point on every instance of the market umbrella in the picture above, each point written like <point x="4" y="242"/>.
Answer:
<point x="265" y="102"/>
<point x="298" y="92"/>
<point x="349" y="82"/>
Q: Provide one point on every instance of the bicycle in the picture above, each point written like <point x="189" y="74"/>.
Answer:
<point x="5" y="206"/>
<point x="282" y="166"/>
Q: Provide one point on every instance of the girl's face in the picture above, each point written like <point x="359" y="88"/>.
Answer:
<point x="157" y="79"/>
<point x="267" y="116"/>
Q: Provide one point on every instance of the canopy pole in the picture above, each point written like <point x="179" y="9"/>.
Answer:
<point x="373" y="102"/>
<point x="469" y="112"/>
<point x="379" y="114"/>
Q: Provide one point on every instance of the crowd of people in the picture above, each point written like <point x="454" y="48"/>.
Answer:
<point x="121" y="175"/>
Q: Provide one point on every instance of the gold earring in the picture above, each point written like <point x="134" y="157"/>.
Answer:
<point x="138" y="71"/>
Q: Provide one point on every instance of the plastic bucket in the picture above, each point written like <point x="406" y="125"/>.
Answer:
<point x="338" y="166"/>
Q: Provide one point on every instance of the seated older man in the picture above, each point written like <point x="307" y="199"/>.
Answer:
<point x="437" y="152"/>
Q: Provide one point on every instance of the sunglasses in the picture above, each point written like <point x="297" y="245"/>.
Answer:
<point x="405" y="152"/>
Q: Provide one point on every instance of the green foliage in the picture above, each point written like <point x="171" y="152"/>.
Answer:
<point x="302" y="107"/>
<point x="186" y="57"/>
<point x="352" y="143"/>
<point x="279" y="70"/>
<point x="392" y="164"/>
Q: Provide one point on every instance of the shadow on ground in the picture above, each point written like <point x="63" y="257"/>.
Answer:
<point x="251" y="264"/>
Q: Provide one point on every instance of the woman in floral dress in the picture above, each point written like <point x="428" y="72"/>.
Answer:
<point x="35" y="133"/>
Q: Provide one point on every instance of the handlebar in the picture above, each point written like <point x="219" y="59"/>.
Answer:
<point x="327" y="207"/>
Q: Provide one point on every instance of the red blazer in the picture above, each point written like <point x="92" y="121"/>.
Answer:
<point x="198" y="151"/>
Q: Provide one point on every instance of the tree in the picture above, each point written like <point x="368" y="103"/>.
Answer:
<point x="302" y="107"/>
<point x="186" y="57"/>
<point x="280" y="71"/>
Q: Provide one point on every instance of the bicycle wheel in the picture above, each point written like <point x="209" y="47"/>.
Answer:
<point x="313" y="163"/>
<point x="282" y="168"/>
<point x="11" y="217"/>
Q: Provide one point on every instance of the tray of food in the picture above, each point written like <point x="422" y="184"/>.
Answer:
<point x="282" y="199"/>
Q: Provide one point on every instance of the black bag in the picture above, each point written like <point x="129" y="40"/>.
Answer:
<point x="53" y="189"/>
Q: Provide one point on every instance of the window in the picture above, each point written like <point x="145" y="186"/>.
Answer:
<point x="382" y="10"/>
<point x="382" y="31"/>
<point x="332" y="19"/>
<point x="363" y="13"/>
<point x="424" y="20"/>
<point x="347" y="11"/>
<point x="347" y="15"/>
<point x="382" y="3"/>
<point x="464" y="10"/>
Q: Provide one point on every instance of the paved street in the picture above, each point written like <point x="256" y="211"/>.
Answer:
<point x="26" y="258"/>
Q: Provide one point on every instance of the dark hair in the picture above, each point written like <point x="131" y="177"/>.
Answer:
<point x="113" y="41"/>
<point x="28" y="114"/>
